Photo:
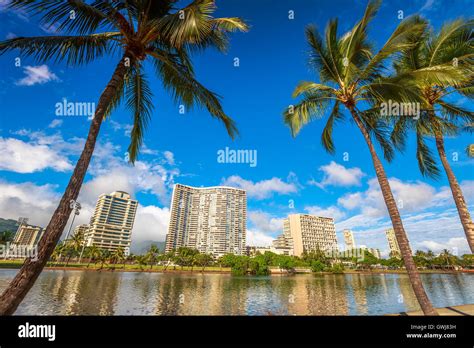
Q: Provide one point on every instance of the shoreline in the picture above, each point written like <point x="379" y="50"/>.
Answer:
<point x="217" y="270"/>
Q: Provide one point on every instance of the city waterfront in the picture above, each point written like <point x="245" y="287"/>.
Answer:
<point x="60" y="292"/>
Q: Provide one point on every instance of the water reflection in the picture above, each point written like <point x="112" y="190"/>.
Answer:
<point x="134" y="293"/>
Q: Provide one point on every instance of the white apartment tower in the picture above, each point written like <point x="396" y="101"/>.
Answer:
<point x="349" y="240"/>
<point x="111" y="224"/>
<point x="309" y="233"/>
<point x="212" y="220"/>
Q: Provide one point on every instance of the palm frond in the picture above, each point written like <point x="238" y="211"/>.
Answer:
<point x="180" y="81"/>
<point x="87" y="17"/>
<point x="455" y="112"/>
<point x="424" y="156"/>
<point x="75" y="50"/>
<point x="326" y="136"/>
<point x="312" y="106"/>
<point x="139" y="102"/>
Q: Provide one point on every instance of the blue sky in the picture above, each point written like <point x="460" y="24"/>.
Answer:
<point x="39" y="148"/>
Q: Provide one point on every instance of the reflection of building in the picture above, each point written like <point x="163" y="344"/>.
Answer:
<point x="212" y="219"/>
<point x="349" y="240"/>
<point x="81" y="229"/>
<point x="392" y="242"/>
<point x="28" y="235"/>
<point x="112" y="222"/>
<point x="309" y="233"/>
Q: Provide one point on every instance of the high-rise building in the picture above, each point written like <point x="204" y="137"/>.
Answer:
<point x="349" y="240"/>
<point x="212" y="220"/>
<point x="310" y="233"/>
<point x="375" y="252"/>
<point x="111" y="224"/>
<point x="283" y="244"/>
<point x="28" y="235"/>
<point x="81" y="229"/>
<point x="392" y="243"/>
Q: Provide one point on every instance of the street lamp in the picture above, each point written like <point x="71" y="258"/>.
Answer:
<point x="76" y="208"/>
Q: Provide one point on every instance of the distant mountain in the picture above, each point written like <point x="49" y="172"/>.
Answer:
<point x="8" y="225"/>
<point x="144" y="246"/>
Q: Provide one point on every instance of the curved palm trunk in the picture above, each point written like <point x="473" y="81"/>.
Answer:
<point x="29" y="272"/>
<point x="400" y="234"/>
<point x="458" y="196"/>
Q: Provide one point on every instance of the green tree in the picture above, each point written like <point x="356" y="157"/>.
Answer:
<point x="317" y="266"/>
<point x="203" y="260"/>
<point x="117" y="256"/>
<point x="140" y="31"/>
<point x="152" y="255"/>
<point x="350" y="74"/>
<point x="439" y="65"/>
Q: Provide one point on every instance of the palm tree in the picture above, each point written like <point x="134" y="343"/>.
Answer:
<point x="93" y="253"/>
<point x="452" y="51"/>
<point x="350" y="74"/>
<point x="152" y="255"/>
<point x="117" y="255"/>
<point x="138" y="30"/>
<point x="74" y="245"/>
<point x="141" y="261"/>
<point x="102" y="257"/>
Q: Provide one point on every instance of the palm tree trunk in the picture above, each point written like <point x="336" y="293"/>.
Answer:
<point x="458" y="196"/>
<point x="29" y="272"/>
<point x="400" y="234"/>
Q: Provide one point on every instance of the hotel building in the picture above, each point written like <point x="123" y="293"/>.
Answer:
<point x="349" y="240"/>
<point x="81" y="229"/>
<point x="309" y="233"/>
<point x="212" y="220"/>
<point x="111" y="224"/>
<point x="392" y="243"/>
<point x="28" y="235"/>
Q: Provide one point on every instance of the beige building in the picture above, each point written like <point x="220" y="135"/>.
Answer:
<point x="349" y="240"/>
<point x="392" y="242"/>
<point x="212" y="220"/>
<point x="283" y="244"/>
<point x="28" y="235"/>
<point x="112" y="222"/>
<point x="309" y="233"/>
<point x="81" y="229"/>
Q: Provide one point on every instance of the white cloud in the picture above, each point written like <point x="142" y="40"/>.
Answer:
<point x="169" y="157"/>
<point x="151" y="223"/>
<point x="338" y="175"/>
<point x="22" y="157"/>
<point x="37" y="75"/>
<point x="265" y="222"/>
<point x="457" y="246"/>
<point x="126" y="128"/>
<point x="10" y="36"/>
<point x="55" y="123"/>
<point x="37" y="202"/>
<point x="410" y="197"/>
<point x="257" y="238"/>
<point x="261" y="189"/>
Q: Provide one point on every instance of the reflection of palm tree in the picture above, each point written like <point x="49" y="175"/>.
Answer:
<point x="351" y="74"/>
<point x="137" y="30"/>
<point x="440" y="65"/>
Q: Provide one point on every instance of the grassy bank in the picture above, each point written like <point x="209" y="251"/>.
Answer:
<point x="16" y="264"/>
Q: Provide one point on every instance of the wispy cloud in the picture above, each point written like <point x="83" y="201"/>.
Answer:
<point x="37" y="75"/>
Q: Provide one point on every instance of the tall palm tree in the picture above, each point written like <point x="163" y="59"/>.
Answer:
<point x="136" y="31"/>
<point x="452" y="50"/>
<point x="350" y="74"/>
<point x="117" y="255"/>
<point x="152" y="255"/>
<point x="93" y="253"/>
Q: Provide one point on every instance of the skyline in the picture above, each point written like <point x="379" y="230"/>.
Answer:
<point x="311" y="182"/>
